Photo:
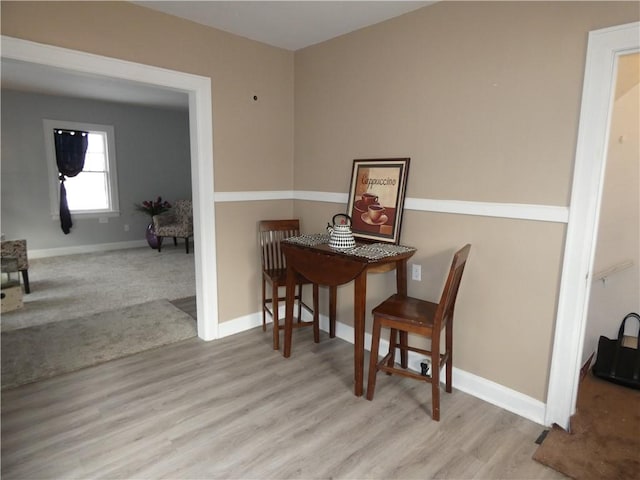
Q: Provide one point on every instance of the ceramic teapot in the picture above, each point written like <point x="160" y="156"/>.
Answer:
<point x="341" y="237"/>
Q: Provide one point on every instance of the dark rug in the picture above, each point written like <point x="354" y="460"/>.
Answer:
<point x="187" y="305"/>
<point x="605" y="434"/>
<point x="43" y="351"/>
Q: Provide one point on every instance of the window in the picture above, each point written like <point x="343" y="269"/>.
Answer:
<point x="93" y="192"/>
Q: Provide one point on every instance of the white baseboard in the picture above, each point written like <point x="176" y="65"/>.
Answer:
<point x="240" y="324"/>
<point x="499" y="395"/>
<point x="491" y="392"/>
<point x="99" y="247"/>
<point x="254" y="320"/>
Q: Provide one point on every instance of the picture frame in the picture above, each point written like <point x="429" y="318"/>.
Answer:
<point x="376" y="198"/>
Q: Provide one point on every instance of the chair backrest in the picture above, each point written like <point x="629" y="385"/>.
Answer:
<point x="270" y="234"/>
<point x="183" y="209"/>
<point x="444" y="312"/>
<point x="17" y="249"/>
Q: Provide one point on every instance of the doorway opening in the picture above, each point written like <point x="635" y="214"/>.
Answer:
<point x="198" y="89"/>
<point x="604" y="48"/>
<point x="616" y="281"/>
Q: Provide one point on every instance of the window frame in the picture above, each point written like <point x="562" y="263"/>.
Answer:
<point x="54" y="184"/>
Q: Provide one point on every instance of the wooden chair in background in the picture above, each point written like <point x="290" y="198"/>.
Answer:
<point x="274" y="271"/>
<point x="404" y="315"/>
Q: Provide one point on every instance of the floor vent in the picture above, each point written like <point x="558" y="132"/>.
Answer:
<point x="542" y="436"/>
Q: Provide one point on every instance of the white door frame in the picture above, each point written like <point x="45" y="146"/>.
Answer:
<point x="198" y="89"/>
<point x="603" y="49"/>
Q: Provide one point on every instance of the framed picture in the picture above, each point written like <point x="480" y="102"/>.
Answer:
<point x="376" y="198"/>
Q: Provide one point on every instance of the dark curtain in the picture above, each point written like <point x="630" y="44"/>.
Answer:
<point x="71" y="147"/>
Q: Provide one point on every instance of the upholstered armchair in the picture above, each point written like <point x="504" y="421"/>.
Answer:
<point x="177" y="222"/>
<point x="18" y="250"/>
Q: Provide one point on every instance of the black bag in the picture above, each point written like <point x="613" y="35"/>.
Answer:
<point x="616" y="363"/>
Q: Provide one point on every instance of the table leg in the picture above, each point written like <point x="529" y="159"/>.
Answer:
<point x="401" y="277"/>
<point x="333" y="302"/>
<point x="401" y="285"/>
<point x="404" y="353"/>
<point x="360" y="295"/>
<point x="316" y="314"/>
<point x="288" y="318"/>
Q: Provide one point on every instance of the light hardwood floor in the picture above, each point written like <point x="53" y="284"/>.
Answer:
<point x="234" y="408"/>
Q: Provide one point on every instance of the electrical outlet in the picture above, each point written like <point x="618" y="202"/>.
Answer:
<point x="416" y="272"/>
<point x="103" y="219"/>
<point x="126" y="228"/>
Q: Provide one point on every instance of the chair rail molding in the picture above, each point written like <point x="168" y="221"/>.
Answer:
<point x="255" y="196"/>
<point x="520" y="211"/>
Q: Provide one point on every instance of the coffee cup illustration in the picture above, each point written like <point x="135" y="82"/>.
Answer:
<point x="369" y="198"/>
<point x="375" y="212"/>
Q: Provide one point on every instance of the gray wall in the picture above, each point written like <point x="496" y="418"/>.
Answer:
<point x="152" y="153"/>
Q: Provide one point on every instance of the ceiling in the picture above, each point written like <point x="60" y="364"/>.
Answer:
<point x="291" y="25"/>
<point x="36" y="78"/>
<point x="286" y="24"/>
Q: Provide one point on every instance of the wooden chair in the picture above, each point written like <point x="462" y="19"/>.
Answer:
<point x="406" y="315"/>
<point x="274" y="271"/>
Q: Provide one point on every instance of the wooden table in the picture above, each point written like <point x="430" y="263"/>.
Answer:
<point x="323" y="265"/>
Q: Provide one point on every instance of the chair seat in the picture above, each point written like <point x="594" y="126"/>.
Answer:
<point x="279" y="276"/>
<point x="408" y="310"/>
<point x="172" y="231"/>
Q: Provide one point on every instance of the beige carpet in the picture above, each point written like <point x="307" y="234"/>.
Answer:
<point x="74" y="286"/>
<point x="42" y="351"/>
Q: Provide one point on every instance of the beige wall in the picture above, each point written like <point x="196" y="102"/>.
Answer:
<point x="483" y="91"/>
<point x="485" y="99"/>
<point x="239" y="266"/>
<point x="253" y="141"/>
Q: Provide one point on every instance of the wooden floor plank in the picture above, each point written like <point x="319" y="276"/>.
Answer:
<point x="234" y="408"/>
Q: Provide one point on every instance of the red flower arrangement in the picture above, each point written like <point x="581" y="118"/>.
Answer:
<point x="151" y="207"/>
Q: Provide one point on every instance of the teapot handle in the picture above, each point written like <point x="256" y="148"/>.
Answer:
<point x="341" y="215"/>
